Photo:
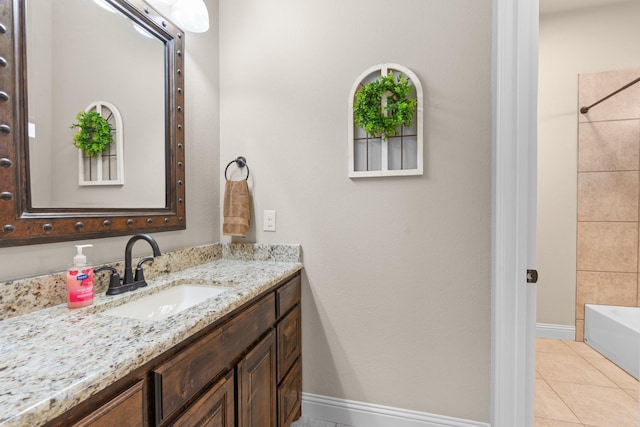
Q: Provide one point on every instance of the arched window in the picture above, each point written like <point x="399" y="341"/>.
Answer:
<point x="398" y="153"/>
<point x="108" y="167"/>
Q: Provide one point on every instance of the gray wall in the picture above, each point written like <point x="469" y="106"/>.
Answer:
<point x="202" y="173"/>
<point x="582" y="41"/>
<point x="396" y="291"/>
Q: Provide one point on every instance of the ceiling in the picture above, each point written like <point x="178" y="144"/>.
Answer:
<point x="555" y="6"/>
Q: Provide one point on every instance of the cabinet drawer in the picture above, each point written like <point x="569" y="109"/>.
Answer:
<point x="125" y="410"/>
<point x="288" y="295"/>
<point x="215" y="408"/>
<point x="179" y="379"/>
<point x="289" y="343"/>
<point x="290" y="396"/>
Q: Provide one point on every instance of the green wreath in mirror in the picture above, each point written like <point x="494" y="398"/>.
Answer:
<point x="369" y="113"/>
<point x="94" y="134"/>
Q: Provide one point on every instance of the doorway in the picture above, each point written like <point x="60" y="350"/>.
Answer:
<point x="574" y="38"/>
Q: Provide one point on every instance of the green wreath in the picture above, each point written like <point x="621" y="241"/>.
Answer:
<point x="382" y="122"/>
<point x="94" y="134"/>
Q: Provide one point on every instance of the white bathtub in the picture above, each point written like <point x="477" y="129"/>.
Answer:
<point x="615" y="333"/>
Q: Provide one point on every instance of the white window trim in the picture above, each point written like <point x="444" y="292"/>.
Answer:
<point x="119" y="145"/>
<point x="384" y="70"/>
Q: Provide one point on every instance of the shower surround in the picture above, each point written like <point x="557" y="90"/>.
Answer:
<point x="608" y="193"/>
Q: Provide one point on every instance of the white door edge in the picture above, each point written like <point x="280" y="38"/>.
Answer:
<point x="515" y="59"/>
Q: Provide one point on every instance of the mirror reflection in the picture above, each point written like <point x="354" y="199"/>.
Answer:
<point x="37" y="144"/>
<point x="83" y="57"/>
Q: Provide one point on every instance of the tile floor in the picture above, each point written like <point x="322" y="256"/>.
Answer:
<point x="576" y="386"/>
<point x="308" y="422"/>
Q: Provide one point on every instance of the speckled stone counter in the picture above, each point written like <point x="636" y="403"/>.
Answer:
<point x="54" y="358"/>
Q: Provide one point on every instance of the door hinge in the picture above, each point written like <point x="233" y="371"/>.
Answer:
<point x="532" y="276"/>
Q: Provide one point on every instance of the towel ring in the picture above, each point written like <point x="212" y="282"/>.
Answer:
<point x="240" y="162"/>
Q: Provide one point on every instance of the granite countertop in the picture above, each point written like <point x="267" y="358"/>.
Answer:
<point x="55" y="358"/>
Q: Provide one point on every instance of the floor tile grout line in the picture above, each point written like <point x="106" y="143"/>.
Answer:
<point x="565" y="403"/>
<point x="555" y="419"/>
<point x="602" y="372"/>
<point x="605" y="374"/>
<point x="585" y="384"/>
<point x="599" y="370"/>
<point x="588" y="359"/>
<point x="569" y="347"/>
<point x="582" y="383"/>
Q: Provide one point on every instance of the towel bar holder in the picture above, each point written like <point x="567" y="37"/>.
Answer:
<point x="240" y="162"/>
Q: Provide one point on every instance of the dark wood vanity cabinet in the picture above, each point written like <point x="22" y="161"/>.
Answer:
<point x="124" y="410"/>
<point x="289" y="369"/>
<point x="254" y="349"/>
<point x="269" y="377"/>
<point x="215" y="408"/>
<point x="243" y="371"/>
<point x="289" y="352"/>
<point x="289" y="396"/>
<point x="257" y="385"/>
<point x="188" y="372"/>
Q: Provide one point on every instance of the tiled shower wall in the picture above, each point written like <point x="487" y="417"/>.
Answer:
<point x="608" y="193"/>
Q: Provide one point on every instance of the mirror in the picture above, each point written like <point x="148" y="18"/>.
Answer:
<point x="93" y="37"/>
<point x="48" y="191"/>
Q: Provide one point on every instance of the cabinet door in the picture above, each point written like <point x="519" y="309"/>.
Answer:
<point x="183" y="376"/>
<point x="125" y="410"/>
<point x="290" y="396"/>
<point x="289" y="341"/>
<point x="214" y="409"/>
<point x="257" y="385"/>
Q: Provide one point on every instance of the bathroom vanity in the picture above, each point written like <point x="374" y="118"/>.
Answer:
<point x="252" y="350"/>
<point x="232" y="360"/>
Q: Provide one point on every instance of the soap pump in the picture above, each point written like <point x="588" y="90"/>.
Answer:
<point x="80" y="281"/>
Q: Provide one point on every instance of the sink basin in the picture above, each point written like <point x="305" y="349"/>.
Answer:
<point x="166" y="303"/>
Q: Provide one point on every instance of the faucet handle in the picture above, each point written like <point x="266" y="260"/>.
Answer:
<point x="114" y="280"/>
<point x="139" y="277"/>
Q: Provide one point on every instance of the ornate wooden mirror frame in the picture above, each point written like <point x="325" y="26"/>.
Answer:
<point x="23" y="224"/>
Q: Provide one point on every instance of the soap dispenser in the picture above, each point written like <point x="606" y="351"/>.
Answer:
<point x="80" y="281"/>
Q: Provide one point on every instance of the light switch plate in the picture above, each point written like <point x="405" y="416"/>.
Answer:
<point x="269" y="220"/>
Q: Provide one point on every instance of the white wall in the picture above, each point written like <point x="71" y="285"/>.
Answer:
<point x="396" y="299"/>
<point x="583" y="41"/>
<point x="202" y="173"/>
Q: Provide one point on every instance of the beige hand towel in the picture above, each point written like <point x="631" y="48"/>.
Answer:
<point x="237" y="209"/>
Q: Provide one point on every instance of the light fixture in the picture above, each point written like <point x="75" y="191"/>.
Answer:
<point x="164" y="2"/>
<point x="189" y="15"/>
<point x="142" y="31"/>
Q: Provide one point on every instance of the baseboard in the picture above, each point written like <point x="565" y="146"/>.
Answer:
<point x="556" y="332"/>
<point x="359" y="414"/>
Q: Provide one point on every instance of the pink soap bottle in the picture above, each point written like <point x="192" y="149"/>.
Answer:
<point x="80" y="281"/>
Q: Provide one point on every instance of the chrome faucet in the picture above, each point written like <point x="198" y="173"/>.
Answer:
<point x="131" y="282"/>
